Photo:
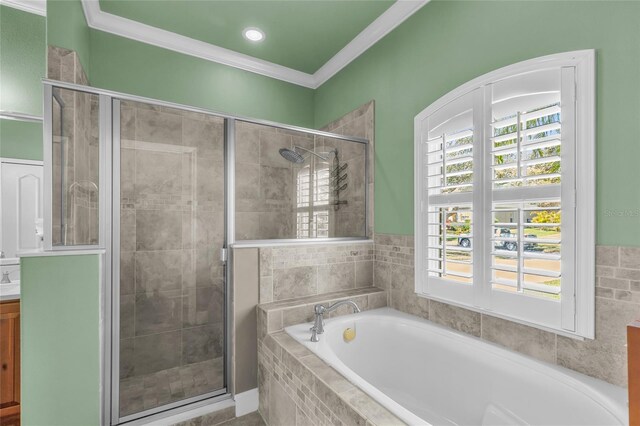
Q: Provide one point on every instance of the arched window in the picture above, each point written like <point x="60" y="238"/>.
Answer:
<point x="505" y="194"/>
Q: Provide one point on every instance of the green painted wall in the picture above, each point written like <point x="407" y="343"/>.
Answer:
<point x="60" y="308"/>
<point x="20" y="139"/>
<point x="67" y="27"/>
<point x="448" y="43"/>
<point x="128" y="66"/>
<point x="22" y="61"/>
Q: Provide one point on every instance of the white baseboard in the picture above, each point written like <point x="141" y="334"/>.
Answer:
<point x="246" y="402"/>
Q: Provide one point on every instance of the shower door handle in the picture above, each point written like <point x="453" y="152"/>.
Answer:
<point x="224" y="255"/>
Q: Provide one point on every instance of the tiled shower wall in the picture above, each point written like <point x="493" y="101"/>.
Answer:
<point x="361" y="123"/>
<point x="269" y="189"/>
<point x="265" y="182"/>
<point x="292" y="272"/>
<point x="617" y="304"/>
<point x="75" y="154"/>
<point x="172" y="227"/>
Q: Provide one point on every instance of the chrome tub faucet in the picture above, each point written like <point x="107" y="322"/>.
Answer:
<point x="320" y="310"/>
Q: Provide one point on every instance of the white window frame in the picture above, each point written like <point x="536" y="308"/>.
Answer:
<point x="577" y="310"/>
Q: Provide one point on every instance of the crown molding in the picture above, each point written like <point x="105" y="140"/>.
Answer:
<point x="399" y="12"/>
<point x="123" y="27"/>
<point x="39" y="7"/>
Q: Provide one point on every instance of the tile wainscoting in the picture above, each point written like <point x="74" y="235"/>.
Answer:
<point x="617" y="304"/>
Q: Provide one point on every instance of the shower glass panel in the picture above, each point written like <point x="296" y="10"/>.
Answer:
<point x="172" y="291"/>
<point x="75" y="168"/>
<point x="297" y="185"/>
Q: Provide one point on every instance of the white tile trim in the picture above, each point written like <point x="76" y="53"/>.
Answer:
<point x="39" y="7"/>
<point x="246" y="402"/>
<point x="385" y="23"/>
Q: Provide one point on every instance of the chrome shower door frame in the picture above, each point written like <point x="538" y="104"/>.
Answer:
<point x="113" y="381"/>
<point x="109" y="239"/>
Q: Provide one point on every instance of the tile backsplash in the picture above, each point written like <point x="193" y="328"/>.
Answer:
<point x="617" y="304"/>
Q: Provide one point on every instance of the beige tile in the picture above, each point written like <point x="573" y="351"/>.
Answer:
<point x="612" y="318"/>
<point x="282" y="409"/>
<point x="127" y="230"/>
<point x="382" y="275"/>
<point x="294" y="282"/>
<point x="247" y="226"/>
<point x="630" y="257"/>
<point x="276" y="183"/>
<point x="158" y="229"/>
<point x="127" y="173"/>
<point x="270" y="144"/>
<point x="158" y="127"/>
<point x="158" y="172"/>
<point x="297" y="315"/>
<point x="331" y="378"/>
<point x="274" y="321"/>
<point x="613" y="283"/>
<point x="275" y="225"/>
<point x="266" y="262"/>
<point x="407" y="301"/>
<point x="204" y="135"/>
<point x="158" y="311"/>
<point x="604" y="292"/>
<point x="158" y="270"/>
<point x="607" y="255"/>
<point x="302" y="419"/>
<point x="247" y="181"/>
<point x="629" y="274"/>
<point x="454" y="317"/>
<point x="335" y="277"/>
<point x="402" y="278"/>
<point x="593" y="361"/>
<point x="266" y="289"/>
<point x="520" y="338"/>
<point x="127" y="272"/>
<point x="377" y="300"/>
<point x="374" y="412"/>
<point x="291" y="345"/>
<point x="364" y="274"/>
<point x="210" y="182"/>
<point x="247" y="143"/>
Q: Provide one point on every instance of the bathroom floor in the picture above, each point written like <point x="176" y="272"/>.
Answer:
<point x="149" y="391"/>
<point x="253" y="419"/>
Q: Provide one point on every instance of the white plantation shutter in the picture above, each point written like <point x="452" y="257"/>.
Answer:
<point x="496" y="205"/>
<point x="448" y="141"/>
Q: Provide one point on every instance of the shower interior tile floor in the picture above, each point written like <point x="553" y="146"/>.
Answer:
<point x="147" y="391"/>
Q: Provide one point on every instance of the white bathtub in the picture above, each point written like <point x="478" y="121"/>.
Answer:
<point x="427" y="374"/>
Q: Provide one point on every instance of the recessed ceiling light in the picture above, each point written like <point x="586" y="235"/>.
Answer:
<point x="253" y="34"/>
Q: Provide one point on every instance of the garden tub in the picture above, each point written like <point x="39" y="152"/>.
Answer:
<point x="427" y="374"/>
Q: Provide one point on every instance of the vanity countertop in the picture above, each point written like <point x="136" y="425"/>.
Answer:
<point x="10" y="291"/>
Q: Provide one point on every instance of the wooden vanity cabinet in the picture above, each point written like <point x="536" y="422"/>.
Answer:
<point x="10" y="363"/>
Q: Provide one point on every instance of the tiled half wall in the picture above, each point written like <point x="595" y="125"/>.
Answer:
<point x="299" y="271"/>
<point x="298" y="388"/>
<point x="617" y="304"/>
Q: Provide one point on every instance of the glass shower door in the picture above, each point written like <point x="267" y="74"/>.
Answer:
<point x="171" y="345"/>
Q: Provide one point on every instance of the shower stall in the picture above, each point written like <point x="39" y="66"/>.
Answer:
<point x="166" y="190"/>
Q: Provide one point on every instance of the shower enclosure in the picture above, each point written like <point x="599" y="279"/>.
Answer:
<point x="165" y="190"/>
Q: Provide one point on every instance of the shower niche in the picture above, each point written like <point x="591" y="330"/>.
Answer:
<point x="298" y="185"/>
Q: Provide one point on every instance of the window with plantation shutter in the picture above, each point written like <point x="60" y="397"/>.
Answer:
<point x="505" y="192"/>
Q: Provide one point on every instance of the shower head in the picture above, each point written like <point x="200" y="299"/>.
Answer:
<point x="294" y="156"/>
<point x="291" y="155"/>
